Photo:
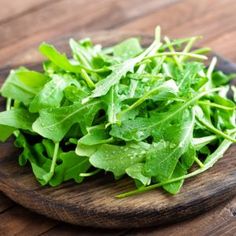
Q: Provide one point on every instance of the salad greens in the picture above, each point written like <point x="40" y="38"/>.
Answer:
<point x="157" y="115"/>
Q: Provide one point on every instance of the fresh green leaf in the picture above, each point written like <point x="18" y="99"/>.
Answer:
<point x="162" y="160"/>
<point x="58" y="59"/>
<point x="156" y="115"/>
<point x="136" y="172"/>
<point x="17" y="118"/>
<point x="70" y="168"/>
<point x="55" y="123"/>
<point x="51" y="95"/>
<point x="120" y="70"/>
<point x="127" y="49"/>
<point x="118" y="158"/>
<point x="16" y="89"/>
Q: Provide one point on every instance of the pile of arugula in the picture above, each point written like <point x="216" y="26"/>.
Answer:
<point x="156" y="114"/>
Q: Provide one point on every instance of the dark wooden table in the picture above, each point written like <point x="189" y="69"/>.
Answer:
<point x="24" y="23"/>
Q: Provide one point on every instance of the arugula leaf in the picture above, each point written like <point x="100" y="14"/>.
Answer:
<point x="32" y="79"/>
<point x="113" y="104"/>
<point x="157" y="115"/>
<point x="175" y="187"/>
<point x="162" y="161"/>
<point x="85" y="150"/>
<point x="17" y="118"/>
<point x="165" y="91"/>
<point x="220" y="78"/>
<point x="136" y="172"/>
<point x="224" y="119"/>
<point x="120" y="70"/>
<point x="58" y="59"/>
<point x="35" y="155"/>
<point x="51" y="95"/>
<point x="127" y="49"/>
<point x="5" y="132"/>
<point x="141" y="128"/>
<point x="75" y="94"/>
<point x="188" y="76"/>
<point x="96" y="135"/>
<point x="70" y="168"/>
<point x="55" y="123"/>
<point x="118" y="158"/>
<point x="16" y="89"/>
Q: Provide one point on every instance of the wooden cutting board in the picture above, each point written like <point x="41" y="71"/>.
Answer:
<point x="93" y="202"/>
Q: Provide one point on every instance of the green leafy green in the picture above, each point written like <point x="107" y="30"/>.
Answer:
<point x="127" y="49"/>
<point x="55" y="123"/>
<point x="136" y="172"/>
<point x="17" y="118"/>
<point x="118" y="158"/>
<point x="70" y="168"/>
<point x="17" y="88"/>
<point x="157" y="115"/>
<point x="162" y="161"/>
<point x="58" y="59"/>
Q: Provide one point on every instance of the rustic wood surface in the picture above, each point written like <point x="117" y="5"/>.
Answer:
<point x="24" y="23"/>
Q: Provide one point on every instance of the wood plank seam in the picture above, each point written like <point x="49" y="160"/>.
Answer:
<point x="50" y="229"/>
<point x="8" y="208"/>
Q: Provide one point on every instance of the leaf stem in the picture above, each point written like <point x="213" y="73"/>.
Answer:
<point x="190" y="54"/>
<point x="211" y="67"/>
<point x="201" y="50"/>
<point x="188" y="48"/>
<point x="177" y="42"/>
<point x="216" y="105"/>
<point x="171" y="48"/>
<point x="198" y="162"/>
<point x="8" y="104"/>
<point x="87" y="79"/>
<point x="90" y="173"/>
<point x="139" y="101"/>
<point x="54" y="159"/>
<point x="215" y="130"/>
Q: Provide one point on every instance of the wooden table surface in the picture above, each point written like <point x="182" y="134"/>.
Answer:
<point x="24" y="23"/>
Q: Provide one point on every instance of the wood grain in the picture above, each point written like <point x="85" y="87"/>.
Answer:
<point x="16" y="221"/>
<point x="209" y="18"/>
<point x="5" y="203"/>
<point x="15" y="9"/>
<point x="68" y="21"/>
<point x="220" y="221"/>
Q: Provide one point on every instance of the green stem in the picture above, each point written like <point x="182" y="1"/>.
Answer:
<point x="198" y="162"/>
<point x="189" y="54"/>
<point x="215" y="130"/>
<point x="185" y="105"/>
<point x="187" y="48"/>
<point x="87" y="79"/>
<point x="54" y="160"/>
<point x="211" y="67"/>
<point x="90" y="173"/>
<point x="171" y="48"/>
<point x="180" y="41"/>
<point x="139" y="101"/>
<point x="198" y="143"/>
<point x="216" y="105"/>
<point x="8" y="104"/>
<point x="201" y="50"/>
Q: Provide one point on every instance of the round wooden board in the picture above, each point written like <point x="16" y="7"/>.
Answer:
<point x="93" y="202"/>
